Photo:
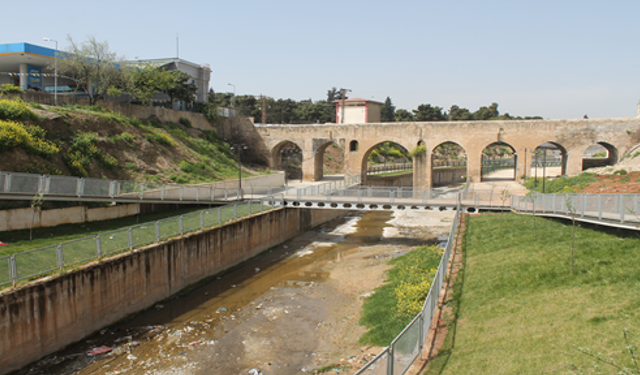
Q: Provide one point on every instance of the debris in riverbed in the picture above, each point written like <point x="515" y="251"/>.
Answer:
<point x="255" y="371"/>
<point x="99" y="350"/>
<point x="221" y="309"/>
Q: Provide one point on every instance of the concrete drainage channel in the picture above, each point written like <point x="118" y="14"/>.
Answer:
<point x="292" y="308"/>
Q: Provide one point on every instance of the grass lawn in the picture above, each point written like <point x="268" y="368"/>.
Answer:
<point x="520" y="311"/>
<point x="79" y="240"/>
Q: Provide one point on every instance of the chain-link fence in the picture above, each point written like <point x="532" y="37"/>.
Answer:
<point x="396" y="167"/>
<point x="406" y="347"/>
<point x="37" y="262"/>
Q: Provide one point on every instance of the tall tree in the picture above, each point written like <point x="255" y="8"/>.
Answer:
<point x="459" y="114"/>
<point x="402" y="115"/>
<point x="96" y="70"/>
<point x="387" y="111"/>
<point x="145" y="81"/>
<point x="486" y="113"/>
<point x="426" y="112"/>
<point x="182" y="88"/>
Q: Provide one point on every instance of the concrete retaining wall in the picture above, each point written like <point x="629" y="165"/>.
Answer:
<point x="48" y="314"/>
<point x="450" y="175"/>
<point x="400" y="180"/>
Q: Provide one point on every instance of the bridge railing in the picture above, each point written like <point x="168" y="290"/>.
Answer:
<point x="33" y="263"/>
<point x="396" y="167"/>
<point x="618" y="208"/>
<point x="357" y="194"/>
<point x="407" y="346"/>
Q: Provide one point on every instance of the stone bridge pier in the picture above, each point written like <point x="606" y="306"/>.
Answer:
<point x="571" y="137"/>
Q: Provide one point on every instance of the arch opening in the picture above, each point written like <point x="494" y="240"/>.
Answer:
<point x="330" y="158"/>
<point x="601" y="154"/>
<point x="548" y="160"/>
<point x="385" y="160"/>
<point x="448" y="164"/>
<point x="499" y="161"/>
<point x="287" y="157"/>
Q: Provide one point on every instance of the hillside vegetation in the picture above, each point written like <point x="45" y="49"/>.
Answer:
<point x="94" y="142"/>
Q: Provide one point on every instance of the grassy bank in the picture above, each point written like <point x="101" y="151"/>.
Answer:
<point x="394" y="304"/>
<point x="520" y="311"/>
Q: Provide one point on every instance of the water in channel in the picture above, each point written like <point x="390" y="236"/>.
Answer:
<point x="289" y="310"/>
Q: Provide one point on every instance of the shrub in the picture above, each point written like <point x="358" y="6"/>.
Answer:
<point x="124" y="136"/>
<point x="16" y="110"/>
<point x="185" y="121"/>
<point x="8" y="88"/>
<point x="32" y="139"/>
<point x="620" y="172"/>
<point x="418" y="151"/>
<point x="83" y="151"/>
<point x="159" y="137"/>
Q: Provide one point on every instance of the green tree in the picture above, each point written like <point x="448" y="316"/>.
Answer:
<point x="486" y="113"/>
<point x="281" y="111"/>
<point x="388" y="111"/>
<point x="147" y="80"/>
<point x="459" y="114"/>
<point x="96" y="70"/>
<point x="426" y="112"/>
<point x="402" y="115"/>
<point x="182" y="87"/>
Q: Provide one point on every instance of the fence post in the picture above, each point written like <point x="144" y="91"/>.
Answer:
<point x="98" y="246"/>
<point x="226" y="195"/>
<point x="298" y="194"/>
<point x="181" y="191"/>
<point x="261" y="206"/>
<point x="112" y="188"/>
<point x="201" y="219"/>
<point x="157" y="231"/>
<point x="235" y="210"/>
<point x="7" y="183"/>
<point x="219" y="216"/>
<point x="181" y="225"/>
<point x="142" y="187"/>
<point x="79" y="187"/>
<point x="47" y="184"/>
<point x="13" y="270"/>
<point x="130" y="233"/>
<point x="59" y="257"/>
<point x="600" y="206"/>
<point x="249" y="207"/>
<point x="197" y="193"/>
<point x="583" y="203"/>
<point x="390" y="360"/>
<point x="621" y="205"/>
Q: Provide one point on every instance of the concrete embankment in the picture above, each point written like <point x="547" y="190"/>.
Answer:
<point x="46" y="315"/>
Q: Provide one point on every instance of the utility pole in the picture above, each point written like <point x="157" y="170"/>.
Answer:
<point x="264" y="109"/>
<point x="343" y="94"/>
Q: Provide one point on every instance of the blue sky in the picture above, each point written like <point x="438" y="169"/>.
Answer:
<point x="556" y="59"/>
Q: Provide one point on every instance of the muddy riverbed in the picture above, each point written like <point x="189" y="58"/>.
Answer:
<point x="290" y="310"/>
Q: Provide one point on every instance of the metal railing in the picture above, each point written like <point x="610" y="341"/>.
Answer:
<point x="407" y="346"/>
<point x="25" y="185"/>
<point x="490" y="166"/>
<point x="378" y="169"/>
<point x="41" y="261"/>
<point x="611" y="208"/>
<point x="449" y="163"/>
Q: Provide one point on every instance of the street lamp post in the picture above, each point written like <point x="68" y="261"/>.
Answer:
<point x="233" y="98"/>
<point x="55" y="71"/>
<point x="238" y="148"/>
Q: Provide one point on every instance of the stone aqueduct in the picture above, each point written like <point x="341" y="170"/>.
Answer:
<point x="572" y="137"/>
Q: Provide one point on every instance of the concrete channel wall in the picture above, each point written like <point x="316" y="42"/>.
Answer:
<point x="47" y="314"/>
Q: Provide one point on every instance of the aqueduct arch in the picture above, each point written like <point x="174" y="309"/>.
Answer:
<point x="573" y="136"/>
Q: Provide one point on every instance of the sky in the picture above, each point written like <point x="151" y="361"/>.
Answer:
<point x="556" y="59"/>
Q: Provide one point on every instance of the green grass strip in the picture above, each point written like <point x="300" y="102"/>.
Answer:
<point x="397" y="302"/>
<point x="520" y="311"/>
